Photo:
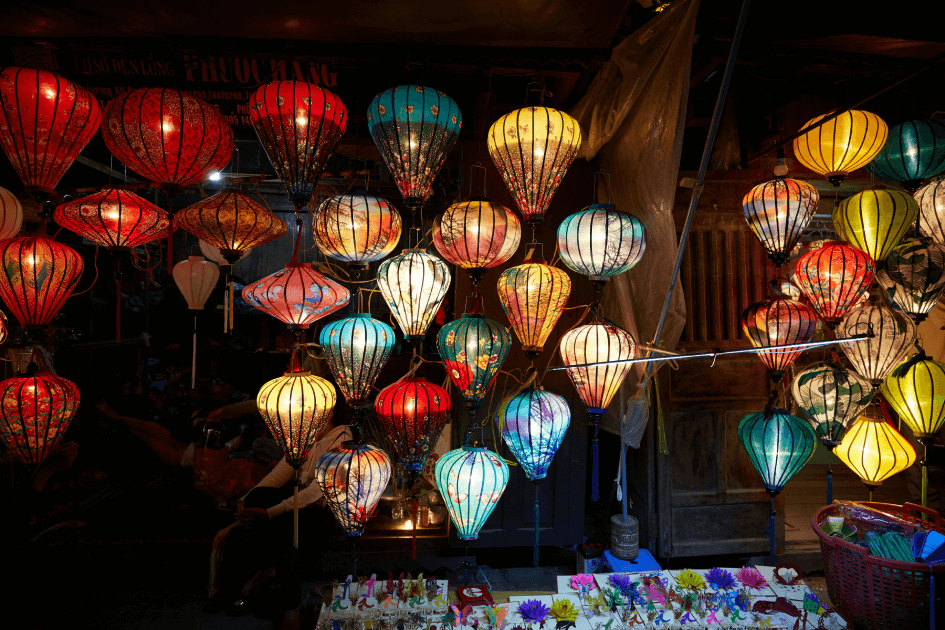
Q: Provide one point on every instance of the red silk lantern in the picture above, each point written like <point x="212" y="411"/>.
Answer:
<point x="169" y="137"/>
<point x="37" y="275"/>
<point x="231" y="222"/>
<point x="114" y="219"/>
<point x="297" y="295"/>
<point x="778" y="322"/>
<point x="299" y="124"/>
<point x="45" y="122"/>
<point x="833" y="277"/>
<point x="413" y="413"/>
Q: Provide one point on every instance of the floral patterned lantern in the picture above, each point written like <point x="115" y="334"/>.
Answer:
<point x="778" y="322"/>
<point x="874" y="221"/>
<point x="412" y="413"/>
<point x="914" y="278"/>
<point x="414" y="128"/>
<point x="600" y="242"/>
<point x="841" y="145"/>
<point x="875" y="450"/>
<point x="297" y="295"/>
<point x="473" y="349"/>
<point x="299" y="124"/>
<point x="914" y="151"/>
<point x="533" y="295"/>
<point x="213" y="254"/>
<point x="931" y="201"/>
<point x="914" y="390"/>
<point x="114" y="218"/>
<point x="777" y="212"/>
<point x="414" y="285"/>
<point x="196" y="278"/>
<point x="533" y="426"/>
<point x="356" y="229"/>
<point x="533" y="148"/>
<point x="472" y="481"/>
<point x="778" y="445"/>
<point x="833" y="277"/>
<point x="231" y="222"/>
<point x="477" y="235"/>
<point x="352" y="478"/>
<point x="37" y="276"/>
<point x="45" y="122"/>
<point x="11" y="214"/>
<point x="357" y="348"/>
<point x="893" y="336"/>
<point x="831" y="397"/>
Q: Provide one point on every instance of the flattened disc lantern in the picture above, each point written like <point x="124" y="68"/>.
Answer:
<point x="297" y="295"/>
<point x="833" y="277"/>
<point x="476" y="236"/>
<point x="914" y="151"/>
<point x="37" y="276"/>
<point x="777" y="212"/>
<point x="600" y="242"/>
<point x="533" y="295"/>
<point x="893" y="337"/>
<point x="471" y="480"/>
<point x="841" y="145"/>
<point x="352" y="479"/>
<point x="914" y="278"/>
<point x="356" y="229"/>
<point x="778" y="322"/>
<point x="874" y="221"/>
<point x="357" y="348"/>
<point x="413" y="284"/>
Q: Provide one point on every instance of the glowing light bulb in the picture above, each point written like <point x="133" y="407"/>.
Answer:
<point x="50" y="93"/>
<point x="302" y="120"/>
<point x="215" y="176"/>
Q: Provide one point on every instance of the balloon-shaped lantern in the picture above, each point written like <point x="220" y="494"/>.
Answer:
<point x="874" y="221"/>
<point x="533" y="148"/>
<point x="37" y="276"/>
<point x="833" y="277"/>
<point x="412" y="413"/>
<point x="356" y="349"/>
<point x="473" y="349"/>
<point x="893" y="336"/>
<point x="477" y="235"/>
<point x="11" y="214"/>
<point x="875" y="450"/>
<point x="414" y="128"/>
<point x="533" y="295"/>
<point x="831" y="397"/>
<point x="299" y="124"/>
<point x="841" y="145"/>
<point x="195" y="277"/>
<point x="600" y="242"/>
<point x="777" y="212"/>
<point x="231" y="222"/>
<point x="297" y="295"/>
<point x="45" y="122"/>
<point x="931" y="201"/>
<point x="352" y="478"/>
<point x="213" y="254"/>
<point x="914" y="151"/>
<point x="778" y="322"/>
<point x="471" y="481"/>
<point x="914" y="278"/>
<point x="414" y="284"/>
<point x="4" y="327"/>
<point x="114" y="218"/>
<point x="356" y="229"/>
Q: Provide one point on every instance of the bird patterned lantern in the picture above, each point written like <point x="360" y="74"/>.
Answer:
<point x="114" y="218"/>
<point x="831" y="397"/>
<point x="777" y="212"/>
<point x="352" y="478"/>
<point x="875" y="450"/>
<point x="414" y="285"/>
<point x="533" y="295"/>
<point x="297" y="295"/>
<point x="600" y="242"/>
<point x="356" y="348"/>
<point x="473" y="349"/>
<point x="914" y="278"/>
<point x="931" y="201"/>
<point x="833" y="277"/>
<point x="472" y="481"/>
<point x="37" y="276"/>
<point x="231" y="222"/>
<point x="477" y="235"/>
<point x="11" y="214"/>
<point x="914" y="151"/>
<point x="412" y="413"/>
<point x="356" y="229"/>
<point x="778" y="322"/>
<point x="874" y="221"/>
<point x="893" y="335"/>
<point x="533" y="426"/>
<point x="841" y="145"/>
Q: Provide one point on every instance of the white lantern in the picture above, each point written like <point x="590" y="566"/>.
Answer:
<point x="196" y="277"/>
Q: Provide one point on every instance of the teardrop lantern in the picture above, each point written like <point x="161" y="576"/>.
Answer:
<point x="412" y="413"/>
<point x="231" y="222"/>
<point x="533" y="426"/>
<point x="931" y="201"/>
<point x="4" y="328"/>
<point x="533" y="295"/>
<point x="476" y="236"/>
<point x="196" y="278"/>
<point x="841" y="145"/>
<point x="414" y="128"/>
<point x="600" y="242"/>
<point x="473" y="349"/>
<point x="833" y="277"/>
<point x="875" y="450"/>
<point x="874" y="221"/>
<point x="916" y="391"/>
<point x="893" y="337"/>
<point x="214" y="255"/>
<point x="414" y="285"/>
<point x="37" y="276"/>
<point x="831" y="397"/>
<point x="356" y="348"/>
<point x="914" y="278"/>
<point x="778" y="444"/>
<point x="299" y="124"/>
<point x="471" y="481"/>
<point x="114" y="218"/>
<point x="778" y="322"/>
<point x="11" y="214"/>
<point x="297" y="295"/>
<point x="352" y="478"/>
<point x="914" y="151"/>
<point x="533" y="148"/>
<point x="356" y="229"/>
<point x="45" y="122"/>
<point x="778" y="212"/>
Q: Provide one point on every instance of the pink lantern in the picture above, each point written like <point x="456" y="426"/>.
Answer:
<point x="196" y="277"/>
<point x="297" y="295"/>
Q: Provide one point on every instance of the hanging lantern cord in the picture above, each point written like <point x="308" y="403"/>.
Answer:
<point x="537" y="526"/>
<point x="295" y="514"/>
<point x="117" y="300"/>
<point x="414" y="477"/>
<point x="924" y="463"/>
<point x="772" y="548"/>
<point x="193" y="363"/>
<point x="595" y="448"/>
<point x="354" y="557"/>
<point x="298" y="236"/>
<point x="870" y="488"/>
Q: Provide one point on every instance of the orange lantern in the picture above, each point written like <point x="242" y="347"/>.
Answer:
<point x="778" y="322"/>
<point x="533" y="295"/>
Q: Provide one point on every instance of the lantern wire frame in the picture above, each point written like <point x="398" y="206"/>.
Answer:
<point x="352" y="478"/>
<point x="356" y="229"/>
<point x="533" y="295"/>
<point x="413" y="284"/>
<point x="874" y="221"/>
<point x="600" y="242"/>
<point x="775" y="322"/>
<point x="777" y="212"/>
<point x="476" y="236"/>
<point x="914" y="277"/>
<point x="913" y="152"/>
<point x="841" y="145"/>
<point x="471" y="480"/>
<point x="357" y="348"/>
<point x="833" y="277"/>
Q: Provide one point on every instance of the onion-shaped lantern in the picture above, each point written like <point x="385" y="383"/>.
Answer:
<point x="914" y="151"/>
<point x="477" y="235"/>
<point x="414" y="128"/>
<point x="533" y="295"/>
<point x="11" y="214"/>
<point x="37" y="276"/>
<point x="196" y="278"/>
<point x="600" y="242"/>
<point x="931" y="201"/>
<point x="893" y="336"/>
<point x="777" y="212"/>
<point x="413" y="413"/>
<point x="297" y="295"/>
<point x="35" y="412"/>
<point x="778" y="322"/>
<point x="778" y="445"/>
<point x="471" y="481"/>
<point x="841" y="145"/>
<point x="533" y="148"/>
<point x="874" y="221"/>
<point x="414" y="285"/>
<point x="357" y="348"/>
<point x="831" y="397"/>
<point x="914" y="278"/>
<point x="833" y="277"/>
<point x="213" y="254"/>
<point x="114" y="218"/>
<point x="231" y="222"/>
<point x="171" y="138"/>
<point x="45" y="122"/>
<point x="533" y="426"/>
<point x="356" y="229"/>
<point x="473" y="349"/>
<point x="875" y="450"/>
<point x="916" y="391"/>
<point x="352" y="479"/>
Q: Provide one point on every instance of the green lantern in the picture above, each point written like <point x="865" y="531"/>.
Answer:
<point x="914" y="151"/>
<point x="473" y="349"/>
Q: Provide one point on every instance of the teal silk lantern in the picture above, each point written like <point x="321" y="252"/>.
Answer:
<point x="533" y="425"/>
<point x="356" y="349"/>
<point x="473" y="349"/>
<point x="914" y="151"/>
<point x="778" y="445"/>
<point x="601" y="242"/>
<point x="472" y="481"/>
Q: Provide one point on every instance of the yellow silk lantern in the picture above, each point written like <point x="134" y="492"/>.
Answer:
<point x="916" y="391"/>
<point x="842" y="144"/>
<point x="876" y="220"/>
<point x="874" y="450"/>
<point x="533" y="295"/>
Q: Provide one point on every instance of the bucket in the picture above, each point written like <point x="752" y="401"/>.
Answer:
<point x="624" y="537"/>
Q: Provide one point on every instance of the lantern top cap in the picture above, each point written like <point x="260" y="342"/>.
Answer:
<point x="297" y="374"/>
<point x="601" y="206"/>
<point x="296" y="265"/>
<point x="196" y="259"/>
<point x="360" y="316"/>
<point x="474" y="449"/>
<point x="534" y="261"/>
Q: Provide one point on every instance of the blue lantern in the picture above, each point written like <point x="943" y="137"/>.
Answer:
<point x="601" y="242"/>
<point x="533" y="426"/>
<point x="914" y="150"/>
<point x="778" y="445"/>
<point x="472" y="481"/>
<point x="356" y="349"/>
<point x="473" y="349"/>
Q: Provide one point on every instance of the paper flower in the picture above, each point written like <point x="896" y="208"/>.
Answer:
<point x="621" y="583"/>
<point x="532" y="610"/>
<point x="689" y="579"/>
<point x="563" y="610"/>
<point x="751" y="578"/>
<point x="582" y="582"/>
<point x="720" y="579"/>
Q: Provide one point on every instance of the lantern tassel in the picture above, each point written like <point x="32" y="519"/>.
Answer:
<point x="232" y="298"/>
<point x="193" y="363"/>
<point x="925" y="473"/>
<point x="537" y="528"/>
<point x="595" y="470"/>
<point x="117" y="304"/>
<point x="771" y="542"/>
<point x="829" y="484"/>
<point x="295" y="516"/>
<point x="416" y="517"/>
